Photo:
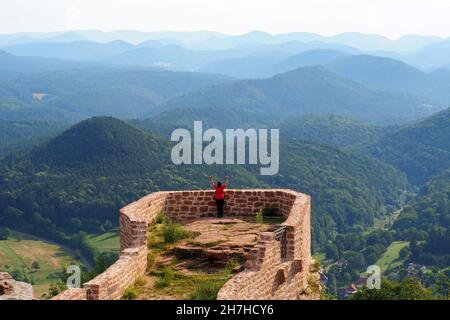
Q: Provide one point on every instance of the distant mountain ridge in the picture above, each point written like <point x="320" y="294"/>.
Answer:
<point x="296" y="93"/>
<point x="393" y="75"/>
<point x="210" y="39"/>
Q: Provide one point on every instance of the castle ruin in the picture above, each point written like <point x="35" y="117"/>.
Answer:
<point x="277" y="267"/>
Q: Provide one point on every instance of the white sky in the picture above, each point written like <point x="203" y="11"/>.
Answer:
<point x="392" y="18"/>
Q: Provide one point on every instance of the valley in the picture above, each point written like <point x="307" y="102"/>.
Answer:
<point x="85" y="129"/>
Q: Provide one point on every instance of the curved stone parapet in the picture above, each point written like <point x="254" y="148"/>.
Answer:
<point x="268" y="273"/>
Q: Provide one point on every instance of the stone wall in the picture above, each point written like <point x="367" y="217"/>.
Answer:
<point x="266" y="276"/>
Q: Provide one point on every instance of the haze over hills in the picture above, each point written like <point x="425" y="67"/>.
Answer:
<point x="392" y="75"/>
<point x="11" y="63"/>
<point x="77" y="51"/>
<point x="76" y="94"/>
<point x="214" y="40"/>
<point x="297" y="93"/>
<point x="425" y="52"/>
<point x="272" y="63"/>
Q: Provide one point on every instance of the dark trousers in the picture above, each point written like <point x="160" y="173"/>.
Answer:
<point x="220" y="203"/>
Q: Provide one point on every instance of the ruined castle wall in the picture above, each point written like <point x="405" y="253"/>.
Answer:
<point x="262" y="278"/>
<point x="191" y="205"/>
<point x="111" y="284"/>
<point x="72" y="294"/>
<point x="269" y="276"/>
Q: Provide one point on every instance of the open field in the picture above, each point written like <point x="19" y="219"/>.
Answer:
<point x="391" y="255"/>
<point x="105" y="242"/>
<point x="20" y="251"/>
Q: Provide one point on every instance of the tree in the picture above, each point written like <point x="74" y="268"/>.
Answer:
<point x="404" y="252"/>
<point x="12" y="216"/>
<point x="4" y="233"/>
<point x="35" y="265"/>
<point x="408" y="289"/>
<point x="331" y="251"/>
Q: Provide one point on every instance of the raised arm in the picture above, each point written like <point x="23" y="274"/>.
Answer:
<point x="212" y="181"/>
<point x="226" y="181"/>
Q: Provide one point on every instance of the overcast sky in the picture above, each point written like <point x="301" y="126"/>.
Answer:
<point x="392" y="18"/>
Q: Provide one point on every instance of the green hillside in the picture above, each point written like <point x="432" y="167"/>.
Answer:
<point x="73" y="95"/>
<point x="304" y="91"/>
<point x="420" y="149"/>
<point x="81" y="178"/>
<point x="333" y="130"/>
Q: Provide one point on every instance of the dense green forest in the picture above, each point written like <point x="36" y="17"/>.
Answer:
<point x="78" y="180"/>
<point x="333" y="130"/>
<point x="426" y="223"/>
<point x="420" y="149"/>
<point x="20" y="135"/>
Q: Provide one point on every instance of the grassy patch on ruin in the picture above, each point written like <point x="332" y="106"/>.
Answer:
<point x="166" y="277"/>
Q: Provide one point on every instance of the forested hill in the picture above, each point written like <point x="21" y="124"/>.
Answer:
<point x="76" y="94"/>
<point x="304" y="91"/>
<point x="106" y="145"/>
<point x="421" y="149"/>
<point x="426" y="223"/>
<point x="333" y="130"/>
<point x="79" y="179"/>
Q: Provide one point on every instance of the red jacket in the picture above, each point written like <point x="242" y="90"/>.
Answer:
<point x="220" y="194"/>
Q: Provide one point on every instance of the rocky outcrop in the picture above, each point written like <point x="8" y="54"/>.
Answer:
<point x="219" y="240"/>
<point x="11" y="289"/>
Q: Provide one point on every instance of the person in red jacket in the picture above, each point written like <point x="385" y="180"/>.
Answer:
<point x="219" y="195"/>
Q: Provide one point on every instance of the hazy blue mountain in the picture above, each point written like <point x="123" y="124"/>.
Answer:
<point x="251" y="66"/>
<point x="77" y="51"/>
<point x="171" y="57"/>
<point x="267" y="64"/>
<point x="372" y="42"/>
<point x="30" y="37"/>
<point x="308" y="58"/>
<point x="304" y="91"/>
<point x="247" y="62"/>
<point x="231" y="42"/>
<point x="360" y="41"/>
<point x="393" y="75"/>
<point x="151" y="44"/>
<point x="11" y="63"/>
<point x="65" y="37"/>
<point x="122" y="92"/>
<point x="432" y="57"/>
<point x="207" y="40"/>
<point x="411" y="43"/>
<point x="137" y="37"/>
